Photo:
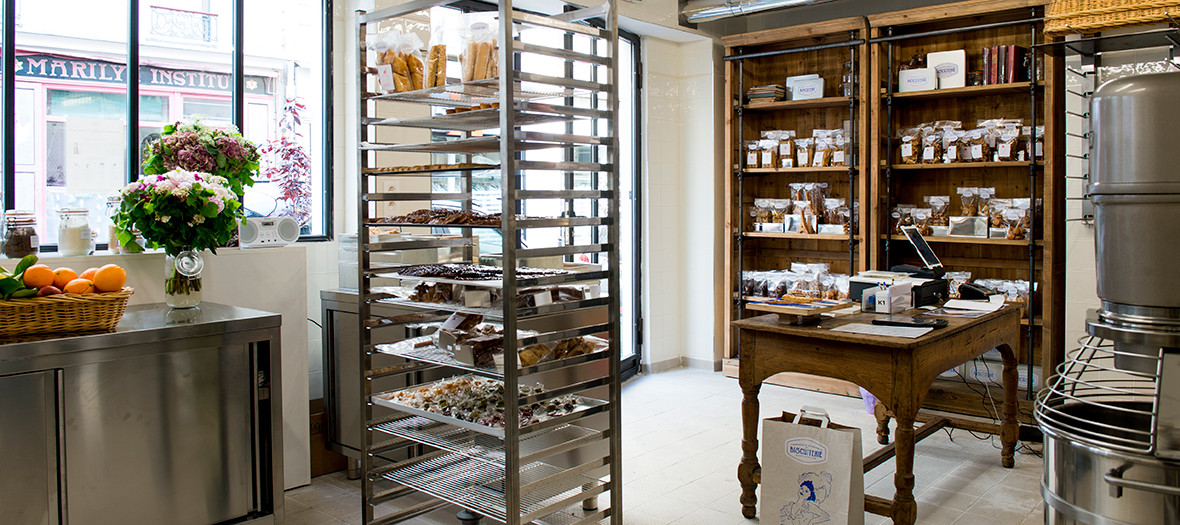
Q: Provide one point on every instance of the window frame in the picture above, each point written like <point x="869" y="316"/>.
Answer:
<point x="238" y="101"/>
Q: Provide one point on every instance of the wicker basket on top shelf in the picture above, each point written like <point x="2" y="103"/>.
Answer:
<point x="1065" y="17"/>
<point x="63" y="313"/>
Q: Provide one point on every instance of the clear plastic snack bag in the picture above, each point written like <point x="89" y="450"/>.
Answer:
<point x="939" y="205"/>
<point x="922" y="220"/>
<point x="979" y="145"/>
<point x="804" y="151"/>
<point x="786" y="148"/>
<point x="399" y="66"/>
<point x="932" y="147"/>
<point x="824" y="150"/>
<point x="1014" y="220"/>
<point x="910" y="146"/>
<point x="902" y="216"/>
<point x="995" y="214"/>
<point x="983" y="197"/>
<point x="968" y="205"/>
<point x="479" y="37"/>
<point x="832" y="213"/>
<point x="955" y="280"/>
<point x="768" y="149"/>
<point x="952" y="144"/>
<point x="753" y="154"/>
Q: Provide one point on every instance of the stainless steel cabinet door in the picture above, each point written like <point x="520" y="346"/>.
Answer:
<point x="28" y="439"/>
<point x="158" y="439"/>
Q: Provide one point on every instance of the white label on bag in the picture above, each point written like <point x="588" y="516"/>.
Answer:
<point x="818" y="160"/>
<point x="907" y="150"/>
<point x="977" y="151"/>
<point x="768" y="158"/>
<point x="838" y="157"/>
<point x="784" y="150"/>
<point x="788" y="162"/>
<point x="952" y="153"/>
<point x="385" y="77"/>
<point x="34" y="242"/>
<point x="928" y="153"/>
<point x="1005" y="150"/>
<point x="807" y="451"/>
<point x="1039" y="151"/>
<point x="752" y="160"/>
<point x="802" y="157"/>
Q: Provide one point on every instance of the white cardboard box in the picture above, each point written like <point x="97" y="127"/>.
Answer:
<point x="789" y="84"/>
<point x="807" y="89"/>
<point x="920" y="79"/>
<point x="950" y="68"/>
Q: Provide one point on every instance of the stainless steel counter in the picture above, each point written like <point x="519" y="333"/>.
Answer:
<point x="173" y="418"/>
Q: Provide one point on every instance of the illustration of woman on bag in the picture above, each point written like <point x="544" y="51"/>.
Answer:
<point x="813" y="490"/>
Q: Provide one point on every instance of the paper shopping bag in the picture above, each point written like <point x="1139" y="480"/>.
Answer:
<point x="812" y="471"/>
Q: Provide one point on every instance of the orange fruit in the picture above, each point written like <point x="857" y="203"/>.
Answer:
<point x="79" y="286"/>
<point x="63" y="276"/>
<point x="109" y="278"/>
<point x="38" y="276"/>
<point x="88" y="274"/>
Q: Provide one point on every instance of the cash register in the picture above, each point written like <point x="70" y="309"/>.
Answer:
<point x="928" y="285"/>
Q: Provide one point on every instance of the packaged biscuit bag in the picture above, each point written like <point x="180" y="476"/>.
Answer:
<point x="479" y="56"/>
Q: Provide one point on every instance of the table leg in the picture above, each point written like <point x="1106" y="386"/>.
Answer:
<point x="749" y="469"/>
<point x="1009" y="428"/>
<point x="905" y="509"/>
<point x="882" y="415"/>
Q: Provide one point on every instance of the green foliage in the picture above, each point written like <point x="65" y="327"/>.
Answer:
<point x="178" y="211"/>
<point x="193" y="146"/>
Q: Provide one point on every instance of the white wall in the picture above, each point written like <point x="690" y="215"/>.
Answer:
<point x="682" y="193"/>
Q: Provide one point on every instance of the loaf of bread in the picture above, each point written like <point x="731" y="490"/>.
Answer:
<point x="416" y="71"/>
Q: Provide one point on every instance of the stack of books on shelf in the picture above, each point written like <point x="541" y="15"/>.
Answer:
<point x="766" y="94"/>
<point x="1004" y="64"/>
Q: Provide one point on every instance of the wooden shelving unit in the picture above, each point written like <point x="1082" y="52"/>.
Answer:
<point x="881" y="181"/>
<point x="966" y="165"/>
<point x="825" y="102"/>
<point x="968" y="240"/>
<point x="825" y="169"/>
<point x="1039" y="259"/>
<point x="968" y="91"/>
<point x="821" y="48"/>
<point x="800" y="236"/>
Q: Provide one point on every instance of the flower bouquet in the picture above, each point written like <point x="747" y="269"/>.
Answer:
<point x="193" y="146"/>
<point x="184" y="213"/>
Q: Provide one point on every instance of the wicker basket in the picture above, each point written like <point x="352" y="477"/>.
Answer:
<point x="63" y="313"/>
<point x="1065" y="17"/>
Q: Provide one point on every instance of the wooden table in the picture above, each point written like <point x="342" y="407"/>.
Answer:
<point x="897" y="371"/>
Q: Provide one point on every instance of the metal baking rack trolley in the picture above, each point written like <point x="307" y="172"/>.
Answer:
<point x="563" y="467"/>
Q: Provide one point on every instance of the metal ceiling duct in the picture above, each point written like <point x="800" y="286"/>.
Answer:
<point x="709" y="11"/>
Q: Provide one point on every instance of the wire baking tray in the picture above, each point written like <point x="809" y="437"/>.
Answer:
<point x="488" y="144"/>
<point x="474" y="120"/>
<point x="476" y="92"/>
<point x="430" y="353"/>
<point x="385" y="399"/>
<point x="572" y="269"/>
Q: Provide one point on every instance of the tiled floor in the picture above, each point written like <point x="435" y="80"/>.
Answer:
<point x="681" y="445"/>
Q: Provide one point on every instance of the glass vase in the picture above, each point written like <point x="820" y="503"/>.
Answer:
<point x="182" y="279"/>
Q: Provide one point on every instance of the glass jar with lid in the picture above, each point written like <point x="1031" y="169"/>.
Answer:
<point x="74" y="235"/>
<point x="113" y="245"/>
<point x="20" y="234"/>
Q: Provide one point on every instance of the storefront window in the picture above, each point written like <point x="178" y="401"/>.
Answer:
<point x="71" y="135"/>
